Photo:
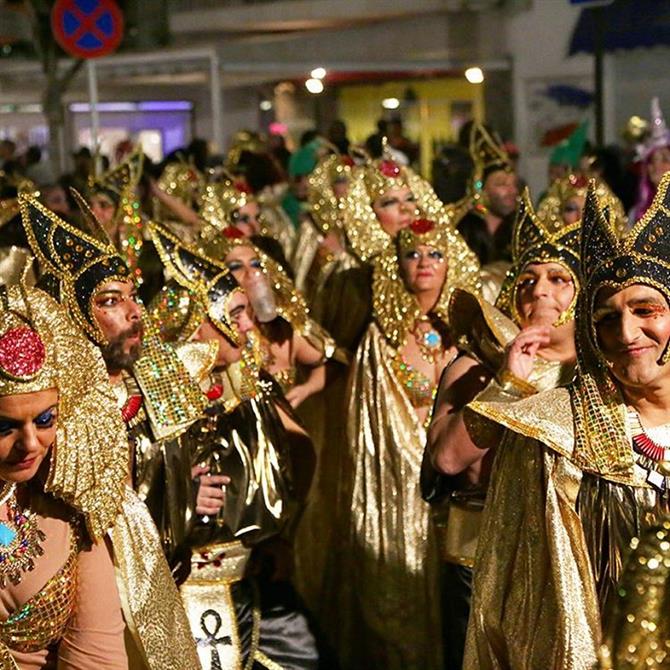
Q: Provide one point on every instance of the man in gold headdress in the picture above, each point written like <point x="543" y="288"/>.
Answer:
<point x="158" y="397"/>
<point x="487" y="225"/>
<point x="526" y="343"/>
<point x="579" y="470"/>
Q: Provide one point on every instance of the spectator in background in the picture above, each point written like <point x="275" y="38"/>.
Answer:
<point x="7" y="159"/>
<point x="398" y="141"/>
<point x="451" y="173"/>
<point x="78" y="178"/>
<point x="337" y="135"/>
<point x="277" y="147"/>
<point x="54" y="197"/>
<point x="34" y="168"/>
<point x="373" y="144"/>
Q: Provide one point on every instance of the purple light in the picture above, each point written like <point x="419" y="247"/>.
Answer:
<point x="165" y="106"/>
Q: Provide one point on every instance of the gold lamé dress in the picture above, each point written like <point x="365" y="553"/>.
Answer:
<point x="387" y="605"/>
<point x="556" y="531"/>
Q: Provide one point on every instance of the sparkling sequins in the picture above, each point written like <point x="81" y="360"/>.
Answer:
<point x="22" y="352"/>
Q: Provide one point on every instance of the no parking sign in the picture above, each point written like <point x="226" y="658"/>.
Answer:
<point x="87" y="28"/>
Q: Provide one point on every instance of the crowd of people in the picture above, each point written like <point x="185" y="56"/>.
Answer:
<point x="294" y="410"/>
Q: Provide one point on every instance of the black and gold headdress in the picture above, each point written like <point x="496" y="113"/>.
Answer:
<point x="488" y="155"/>
<point x="209" y="281"/>
<point x="640" y="257"/>
<point x="538" y="240"/>
<point x="77" y="262"/>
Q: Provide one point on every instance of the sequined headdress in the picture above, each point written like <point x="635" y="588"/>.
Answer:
<point x="325" y="206"/>
<point x="641" y="257"/>
<point x="182" y="180"/>
<point x="488" y="155"/>
<point x="291" y="305"/>
<point x="220" y="201"/>
<point x="370" y="181"/>
<point x="41" y="349"/>
<point x="76" y="262"/>
<point x="394" y="308"/>
<point x="537" y="240"/>
<point x="208" y="280"/>
<point x="550" y="209"/>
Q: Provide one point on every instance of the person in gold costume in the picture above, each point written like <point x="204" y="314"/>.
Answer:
<point x="83" y="582"/>
<point x="156" y="386"/>
<point x="238" y="595"/>
<point x="588" y="459"/>
<point x="563" y="203"/>
<point x="385" y="547"/>
<point x="527" y="343"/>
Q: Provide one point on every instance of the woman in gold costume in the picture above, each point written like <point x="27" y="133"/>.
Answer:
<point x="564" y="203"/>
<point x="388" y="616"/>
<point x="588" y="459"/>
<point x="527" y="344"/>
<point x="83" y="583"/>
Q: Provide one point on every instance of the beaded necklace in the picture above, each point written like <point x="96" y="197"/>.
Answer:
<point x="19" y="540"/>
<point x="649" y="455"/>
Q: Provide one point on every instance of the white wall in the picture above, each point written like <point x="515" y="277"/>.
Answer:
<point x="538" y="41"/>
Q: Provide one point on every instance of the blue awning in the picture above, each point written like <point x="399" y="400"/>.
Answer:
<point x="627" y="24"/>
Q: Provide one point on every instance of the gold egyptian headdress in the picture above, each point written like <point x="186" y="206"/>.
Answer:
<point x="119" y="185"/>
<point x="219" y="203"/>
<point x="488" y="155"/>
<point x="551" y="208"/>
<point x="208" y="280"/>
<point x="640" y="257"/>
<point x="291" y="305"/>
<point x="536" y="240"/>
<point x="370" y="181"/>
<point x="394" y="308"/>
<point x="325" y="206"/>
<point x="41" y="349"/>
<point x="182" y="180"/>
<point x="76" y="263"/>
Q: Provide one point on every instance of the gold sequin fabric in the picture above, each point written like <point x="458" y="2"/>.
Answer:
<point x="551" y="206"/>
<point x="638" y="634"/>
<point x="183" y="181"/>
<point x="324" y="204"/>
<point x="90" y="462"/>
<point x="395" y="309"/>
<point x="364" y="232"/>
<point x="43" y="619"/>
<point x="538" y="240"/>
<point x="151" y="604"/>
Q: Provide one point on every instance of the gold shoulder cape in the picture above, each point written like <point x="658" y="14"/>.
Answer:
<point x="534" y="604"/>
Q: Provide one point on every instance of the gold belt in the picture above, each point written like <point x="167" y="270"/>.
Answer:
<point x="223" y="562"/>
<point x="457" y="524"/>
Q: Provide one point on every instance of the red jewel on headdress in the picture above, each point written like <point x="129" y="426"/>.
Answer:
<point x="232" y="233"/>
<point x="215" y="392"/>
<point x="422" y="226"/>
<point x="242" y="187"/>
<point x="347" y="160"/>
<point x="579" y="181"/>
<point x="389" y="168"/>
<point x="22" y="352"/>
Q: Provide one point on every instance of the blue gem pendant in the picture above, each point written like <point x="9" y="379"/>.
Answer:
<point x="20" y="540"/>
<point x="432" y="339"/>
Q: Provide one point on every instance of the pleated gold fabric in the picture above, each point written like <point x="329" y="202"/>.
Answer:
<point x="388" y="616"/>
<point x="151" y="604"/>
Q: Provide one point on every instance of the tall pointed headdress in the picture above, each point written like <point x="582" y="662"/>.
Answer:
<point x="208" y="280"/>
<point x="488" y="155"/>
<point x="76" y="263"/>
<point x="641" y="257"/>
<point x="536" y="240"/>
<point x="659" y="135"/>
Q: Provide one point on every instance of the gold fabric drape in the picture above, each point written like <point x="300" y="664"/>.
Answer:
<point x="387" y="605"/>
<point x="151" y="604"/>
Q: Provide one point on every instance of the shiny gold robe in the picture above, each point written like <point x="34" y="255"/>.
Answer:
<point x="387" y="605"/>
<point x="555" y="534"/>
